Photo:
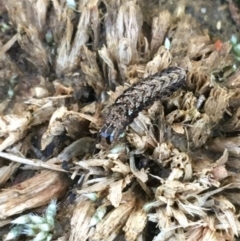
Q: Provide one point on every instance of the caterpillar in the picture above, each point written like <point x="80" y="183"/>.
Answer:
<point x="138" y="97"/>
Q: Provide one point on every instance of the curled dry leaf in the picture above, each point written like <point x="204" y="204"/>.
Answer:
<point x="198" y="81"/>
<point x="162" y="152"/>
<point x="13" y="128"/>
<point x="140" y="124"/>
<point x="181" y="162"/>
<point x="161" y="60"/>
<point x="201" y="130"/>
<point x="205" y="230"/>
<point x="120" y="168"/>
<point x="225" y="213"/>
<point x="216" y="104"/>
<point x="172" y="197"/>
<point x="55" y="127"/>
<point x="43" y="109"/>
<point x="213" y="170"/>
<point x="63" y="120"/>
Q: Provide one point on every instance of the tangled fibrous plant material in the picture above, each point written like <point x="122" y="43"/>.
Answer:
<point x="162" y="168"/>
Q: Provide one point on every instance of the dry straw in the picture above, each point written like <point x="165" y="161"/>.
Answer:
<point x="170" y="168"/>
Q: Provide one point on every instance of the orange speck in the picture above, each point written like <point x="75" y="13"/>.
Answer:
<point x="218" y="45"/>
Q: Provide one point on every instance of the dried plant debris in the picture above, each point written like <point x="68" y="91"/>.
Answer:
<point x="144" y="121"/>
<point x="19" y="198"/>
<point x="234" y="10"/>
<point x="35" y="226"/>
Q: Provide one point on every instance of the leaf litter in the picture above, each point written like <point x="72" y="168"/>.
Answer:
<point x="172" y="175"/>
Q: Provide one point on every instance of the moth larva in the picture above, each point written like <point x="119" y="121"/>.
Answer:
<point x="139" y="96"/>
